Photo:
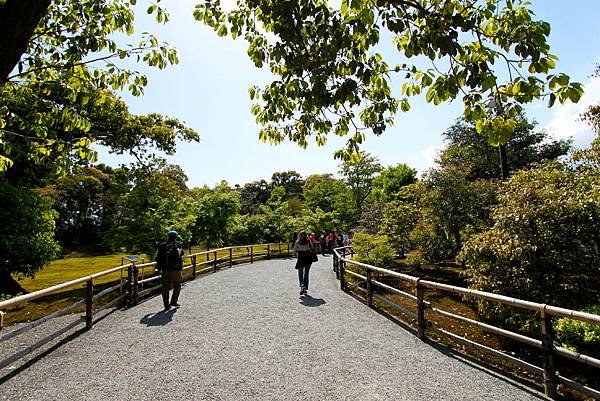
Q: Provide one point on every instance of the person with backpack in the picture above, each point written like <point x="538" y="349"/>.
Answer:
<point x="169" y="263"/>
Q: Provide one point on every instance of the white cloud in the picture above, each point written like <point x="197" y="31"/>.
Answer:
<point x="566" y="119"/>
<point x="430" y="154"/>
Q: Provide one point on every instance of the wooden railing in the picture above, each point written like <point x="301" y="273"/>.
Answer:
<point x="344" y="256"/>
<point x="130" y="289"/>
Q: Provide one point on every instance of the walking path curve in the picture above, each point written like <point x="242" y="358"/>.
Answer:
<point x="245" y="334"/>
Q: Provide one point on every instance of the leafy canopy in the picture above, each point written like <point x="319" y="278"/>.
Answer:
<point x="491" y="54"/>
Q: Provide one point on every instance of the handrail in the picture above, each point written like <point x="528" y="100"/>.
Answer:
<point x="546" y="344"/>
<point x="46" y="291"/>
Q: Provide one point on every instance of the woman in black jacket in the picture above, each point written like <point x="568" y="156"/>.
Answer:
<point x="304" y="251"/>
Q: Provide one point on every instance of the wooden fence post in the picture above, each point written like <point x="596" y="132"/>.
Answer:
<point x="215" y="261"/>
<point x="251" y="254"/>
<point x="230" y="257"/>
<point x="268" y="251"/>
<point x="550" y="380"/>
<point x="194" y="267"/>
<point x="369" y="288"/>
<point x="336" y="266"/>
<point x="136" y="285"/>
<point x="342" y="269"/>
<point x="89" y="303"/>
<point x="1" y="321"/>
<point x="288" y="249"/>
<point x="420" y="310"/>
<point x="130" y="285"/>
<point x="279" y="244"/>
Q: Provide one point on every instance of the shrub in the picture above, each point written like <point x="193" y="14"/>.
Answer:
<point x="373" y="249"/>
<point x="579" y="336"/>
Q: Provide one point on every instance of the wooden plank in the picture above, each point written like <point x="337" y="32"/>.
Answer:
<point x="462" y="340"/>
<point x="586" y="359"/>
<point x="395" y="305"/>
<point x="579" y="387"/>
<point x="41" y="320"/>
<point x="6" y="362"/>
<point x="394" y="290"/>
<point x="493" y="329"/>
<point x="359" y="276"/>
<point x="109" y="304"/>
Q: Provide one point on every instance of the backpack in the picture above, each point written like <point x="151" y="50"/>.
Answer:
<point x="172" y="255"/>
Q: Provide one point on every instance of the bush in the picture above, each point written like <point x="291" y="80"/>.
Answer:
<point x="544" y="244"/>
<point x="579" y="336"/>
<point x="373" y="249"/>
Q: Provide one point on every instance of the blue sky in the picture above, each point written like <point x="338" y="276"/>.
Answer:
<point x="208" y="90"/>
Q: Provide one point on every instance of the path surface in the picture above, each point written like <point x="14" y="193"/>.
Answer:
<point x="244" y="334"/>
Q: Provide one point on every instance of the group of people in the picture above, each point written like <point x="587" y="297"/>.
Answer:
<point x="169" y="260"/>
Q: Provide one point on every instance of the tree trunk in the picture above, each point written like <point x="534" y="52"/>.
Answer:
<point x="9" y="285"/>
<point x="18" y="20"/>
<point x="503" y="162"/>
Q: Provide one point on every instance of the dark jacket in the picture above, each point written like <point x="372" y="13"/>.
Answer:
<point x="169" y="256"/>
<point x="304" y="252"/>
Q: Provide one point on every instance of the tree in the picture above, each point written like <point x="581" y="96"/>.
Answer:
<point x="398" y="220"/>
<point x="291" y="181"/>
<point x="544" y="244"/>
<point x="493" y="55"/>
<point x="451" y="209"/>
<point x="467" y="148"/>
<point x="252" y="195"/>
<point x="27" y="241"/>
<point x="69" y="63"/>
<point x="323" y="191"/>
<point x="358" y="175"/>
<point x="215" y="217"/>
<point x="158" y="201"/>
<point x="389" y="181"/>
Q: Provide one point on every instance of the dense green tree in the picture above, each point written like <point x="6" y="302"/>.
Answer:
<point x="159" y="201"/>
<point x="252" y="195"/>
<point x="249" y="229"/>
<point x="451" y="209"/>
<point x="397" y="222"/>
<point x="358" y="174"/>
<point x="291" y="181"/>
<point x="544" y="244"/>
<point x="323" y="192"/>
<point x="369" y="220"/>
<point x="67" y="66"/>
<point x="467" y="148"/>
<point x="493" y="55"/>
<point x="27" y="242"/>
<point x="389" y="181"/>
<point x="215" y="216"/>
<point x="373" y="249"/>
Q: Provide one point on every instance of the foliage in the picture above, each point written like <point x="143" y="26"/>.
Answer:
<point x="27" y="224"/>
<point x="72" y="63"/>
<point x="249" y="229"/>
<point x="322" y="191"/>
<point x="451" y="209"/>
<point x="214" y="217"/>
<point x="389" y="181"/>
<point x="467" y="148"/>
<point x="579" y="336"/>
<point x="544" y="243"/>
<point x="159" y="201"/>
<point x="252" y="195"/>
<point x="370" y="219"/>
<point x="291" y="181"/>
<point x="397" y="222"/>
<point x="373" y="249"/>
<point x="493" y="55"/>
<point x="358" y="174"/>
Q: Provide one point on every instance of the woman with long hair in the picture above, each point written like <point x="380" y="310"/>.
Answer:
<point x="304" y="251"/>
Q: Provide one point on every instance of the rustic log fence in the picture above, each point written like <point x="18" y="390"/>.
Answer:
<point x="343" y="257"/>
<point x="137" y="284"/>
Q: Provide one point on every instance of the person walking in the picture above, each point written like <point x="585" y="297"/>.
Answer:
<point x="169" y="263"/>
<point x="304" y="251"/>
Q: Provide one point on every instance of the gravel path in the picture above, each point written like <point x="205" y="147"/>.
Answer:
<point x="244" y="334"/>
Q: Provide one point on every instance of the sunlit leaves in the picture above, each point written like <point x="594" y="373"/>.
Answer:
<point x="493" y="55"/>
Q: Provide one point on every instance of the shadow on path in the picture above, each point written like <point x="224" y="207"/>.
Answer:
<point x="307" y="300"/>
<point x="158" y="319"/>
